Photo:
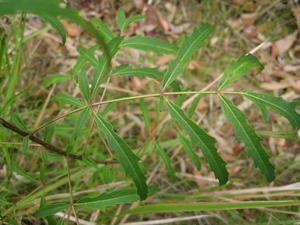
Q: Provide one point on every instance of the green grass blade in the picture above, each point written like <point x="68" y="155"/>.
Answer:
<point x="239" y="68"/>
<point x="190" y="45"/>
<point x="149" y="44"/>
<point x="246" y="134"/>
<point x="109" y="199"/>
<point x="202" y="140"/>
<point x="286" y="109"/>
<point x="125" y="155"/>
<point x="215" y="206"/>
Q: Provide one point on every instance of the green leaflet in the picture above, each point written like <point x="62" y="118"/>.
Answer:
<point x="245" y="133"/>
<point x="239" y="68"/>
<point x="99" y="74"/>
<point x="125" y="70"/>
<point x="190" y="45"/>
<point x="49" y="210"/>
<point x="188" y="207"/>
<point x="107" y="33"/>
<point x="201" y="139"/>
<point x="122" y="22"/>
<point x="18" y="121"/>
<point x="81" y="121"/>
<point x="190" y="151"/>
<point x="88" y="55"/>
<point x="149" y="44"/>
<point x="57" y="25"/>
<point x="124" y="154"/>
<point x="194" y="105"/>
<point x="286" y="109"/>
<point x="54" y="79"/>
<point x="114" y="45"/>
<point x="67" y="99"/>
<point x="84" y="85"/>
<point x="146" y="114"/>
<point x="167" y="162"/>
<point x="19" y="170"/>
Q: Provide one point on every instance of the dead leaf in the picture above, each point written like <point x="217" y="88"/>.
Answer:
<point x="275" y="85"/>
<point x="296" y="12"/>
<point x="163" y="60"/>
<point x="248" y="18"/>
<point x="72" y="29"/>
<point x="284" y="44"/>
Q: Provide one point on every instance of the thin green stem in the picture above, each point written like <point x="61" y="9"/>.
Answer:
<point x="155" y="95"/>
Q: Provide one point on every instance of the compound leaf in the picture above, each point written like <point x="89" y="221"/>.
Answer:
<point x="286" y="109"/>
<point x="239" y="68"/>
<point x="246" y="134"/>
<point x="149" y="44"/>
<point x="125" y="155"/>
<point x="190" y="45"/>
<point x="201" y="139"/>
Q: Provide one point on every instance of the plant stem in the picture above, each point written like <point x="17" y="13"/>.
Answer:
<point x="46" y="145"/>
<point x="155" y="95"/>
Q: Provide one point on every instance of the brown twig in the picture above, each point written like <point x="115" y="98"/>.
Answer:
<point x="46" y="145"/>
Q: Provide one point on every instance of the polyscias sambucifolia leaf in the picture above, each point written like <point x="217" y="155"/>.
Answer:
<point x="246" y="134"/>
<point x="202" y="140"/>
<point x="190" y="45"/>
<point x="286" y="109"/>
<point x="125" y="155"/>
<point x="239" y="68"/>
<point x="145" y="43"/>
